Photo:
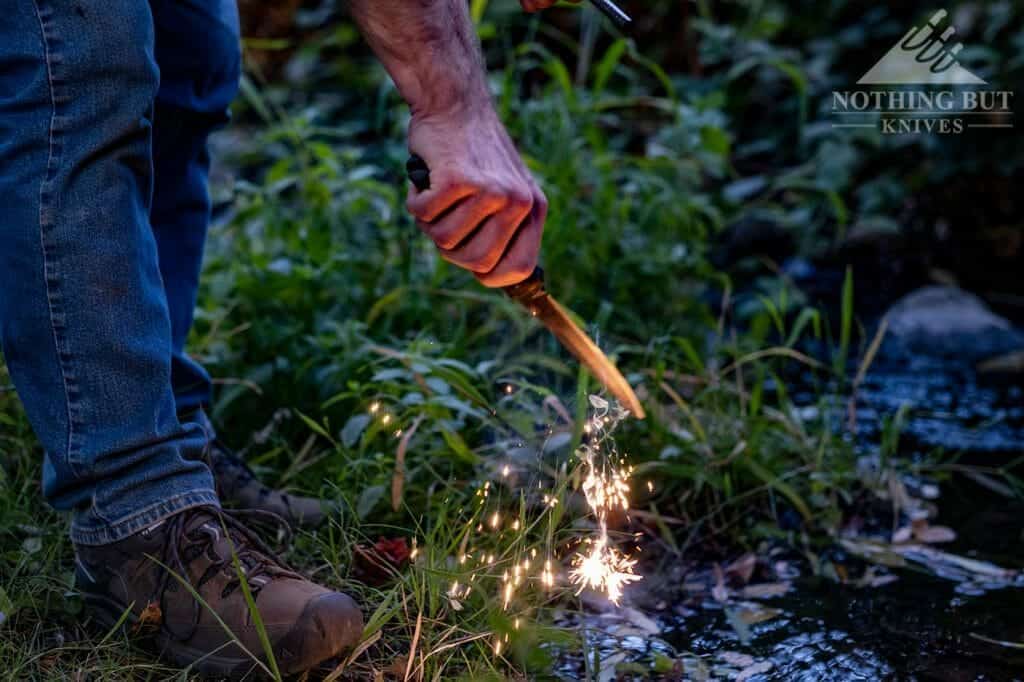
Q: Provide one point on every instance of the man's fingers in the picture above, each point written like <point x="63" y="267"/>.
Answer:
<point x="484" y="250"/>
<point x="431" y="203"/>
<point x="520" y="258"/>
<point x="450" y="229"/>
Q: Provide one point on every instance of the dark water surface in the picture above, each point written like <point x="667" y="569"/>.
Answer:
<point x="920" y="627"/>
<point x="932" y="622"/>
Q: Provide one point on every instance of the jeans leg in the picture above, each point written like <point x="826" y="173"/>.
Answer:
<point x="198" y="51"/>
<point x="84" y="321"/>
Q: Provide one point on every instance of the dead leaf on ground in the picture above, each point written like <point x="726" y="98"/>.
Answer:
<point x="720" y="592"/>
<point x="642" y="621"/>
<point x="397" y="667"/>
<point x="766" y="590"/>
<point x="152" y="617"/>
<point x="1011" y="363"/>
<point x="756" y="669"/>
<point x="380" y="563"/>
<point x="737" y="659"/>
<point x="608" y="672"/>
<point x="902" y="535"/>
<point x="931" y="557"/>
<point x="755" y="614"/>
<point x="743" y="568"/>
<point x="876" y="552"/>
<point x="933" y="535"/>
<point x="883" y="580"/>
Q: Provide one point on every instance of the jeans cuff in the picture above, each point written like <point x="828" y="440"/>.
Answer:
<point x="199" y="416"/>
<point x="144" y="518"/>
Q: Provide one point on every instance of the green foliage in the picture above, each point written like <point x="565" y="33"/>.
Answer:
<point x="325" y="311"/>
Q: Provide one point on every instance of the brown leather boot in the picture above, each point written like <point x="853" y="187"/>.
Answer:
<point x="238" y="486"/>
<point x="305" y="623"/>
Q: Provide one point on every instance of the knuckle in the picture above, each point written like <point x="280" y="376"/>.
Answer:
<point x="496" y="201"/>
<point x="520" y="199"/>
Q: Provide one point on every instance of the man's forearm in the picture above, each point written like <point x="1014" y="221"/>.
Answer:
<point x="483" y="209"/>
<point x="430" y="49"/>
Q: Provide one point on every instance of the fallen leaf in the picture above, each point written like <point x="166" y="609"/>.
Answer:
<point x="883" y="580"/>
<point x="743" y="568"/>
<point x="877" y="552"/>
<point x="933" y="535"/>
<point x="739" y="626"/>
<point x="931" y="557"/>
<point x="756" y="669"/>
<point x="766" y="590"/>
<point x="902" y="535"/>
<point x="720" y="592"/>
<point x="641" y="621"/>
<point x="378" y="564"/>
<point x="757" y="614"/>
<point x="1009" y="363"/>
<point x="152" y="617"/>
<point x="737" y="659"/>
<point x="398" y="666"/>
<point x="608" y="671"/>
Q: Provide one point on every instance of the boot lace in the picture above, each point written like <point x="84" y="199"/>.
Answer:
<point x="188" y="540"/>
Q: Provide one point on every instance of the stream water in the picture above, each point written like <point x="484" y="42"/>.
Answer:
<point x="930" y="619"/>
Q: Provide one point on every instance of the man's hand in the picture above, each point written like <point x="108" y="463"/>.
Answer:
<point x="483" y="210"/>
<point x="536" y="5"/>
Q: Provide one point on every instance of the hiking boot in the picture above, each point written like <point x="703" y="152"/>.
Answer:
<point x="238" y="487"/>
<point x="306" y="624"/>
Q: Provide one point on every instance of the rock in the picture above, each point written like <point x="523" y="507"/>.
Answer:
<point x="947" y="323"/>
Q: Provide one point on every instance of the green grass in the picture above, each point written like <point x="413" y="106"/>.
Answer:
<point x="321" y="300"/>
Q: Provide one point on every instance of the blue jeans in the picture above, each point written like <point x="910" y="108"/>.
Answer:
<point x="105" y="109"/>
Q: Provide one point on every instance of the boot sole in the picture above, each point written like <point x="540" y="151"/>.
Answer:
<point x="109" y="613"/>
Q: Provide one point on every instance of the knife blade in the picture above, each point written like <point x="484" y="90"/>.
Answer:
<point x="613" y="12"/>
<point x="533" y="295"/>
